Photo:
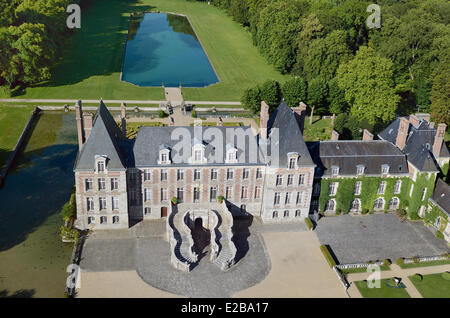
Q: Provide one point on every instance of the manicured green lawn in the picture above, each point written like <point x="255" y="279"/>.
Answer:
<point x="319" y="130"/>
<point x="363" y="269"/>
<point x="382" y="292"/>
<point x="92" y="60"/>
<point x="425" y="264"/>
<point x="432" y="286"/>
<point x="12" y="123"/>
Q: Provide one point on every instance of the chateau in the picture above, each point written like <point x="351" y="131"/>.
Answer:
<point x="273" y="174"/>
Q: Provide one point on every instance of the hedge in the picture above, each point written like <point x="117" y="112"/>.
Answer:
<point x="309" y="224"/>
<point x="327" y="254"/>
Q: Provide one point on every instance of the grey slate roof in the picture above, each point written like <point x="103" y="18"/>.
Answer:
<point x="149" y="141"/>
<point x="441" y="196"/>
<point x="290" y="136"/>
<point x="419" y="144"/>
<point x="104" y="139"/>
<point x="348" y="154"/>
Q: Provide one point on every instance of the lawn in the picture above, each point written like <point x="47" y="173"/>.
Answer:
<point x="425" y="264"/>
<point x="319" y="130"/>
<point x="432" y="286"/>
<point x="12" y="123"/>
<point x="382" y="292"/>
<point x="92" y="59"/>
<point x="363" y="269"/>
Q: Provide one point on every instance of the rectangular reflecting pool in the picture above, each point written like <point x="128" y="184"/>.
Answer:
<point x="163" y="48"/>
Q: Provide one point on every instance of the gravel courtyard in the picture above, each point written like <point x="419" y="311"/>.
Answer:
<point x="376" y="237"/>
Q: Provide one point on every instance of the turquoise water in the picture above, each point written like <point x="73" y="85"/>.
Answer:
<point x="33" y="260"/>
<point x="163" y="49"/>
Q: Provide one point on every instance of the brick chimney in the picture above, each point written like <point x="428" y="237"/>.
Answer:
<point x="402" y="133"/>
<point x="439" y="139"/>
<point x="334" y="135"/>
<point x="424" y="116"/>
<point x="87" y="124"/>
<point x="414" y="120"/>
<point x="123" y="118"/>
<point x="79" y="118"/>
<point x="367" y="135"/>
<point x="263" y="120"/>
<point x="301" y="112"/>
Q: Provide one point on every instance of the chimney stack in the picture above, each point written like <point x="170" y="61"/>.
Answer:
<point x="334" y="135"/>
<point x="367" y="135"/>
<point x="301" y="112"/>
<point x="402" y="133"/>
<point x="414" y="120"/>
<point x="79" y="118"/>
<point x="439" y="139"/>
<point x="424" y="116"/>
<point x="87" y="124"/>
<point x="264" y="119"/>
<point x="123" y="117"/>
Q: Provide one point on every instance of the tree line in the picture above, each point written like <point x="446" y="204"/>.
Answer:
<point x="345" y="67"/>
<point x="31" y="35"/>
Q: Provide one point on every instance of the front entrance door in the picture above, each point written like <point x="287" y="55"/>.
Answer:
<point x="163" y="212"/>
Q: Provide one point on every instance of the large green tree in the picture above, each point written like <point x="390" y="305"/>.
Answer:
<point x="270" y="92"/>
<point x="251" y="99"/>
<point x="317" y="95"/>
<point x="368" y="86"/>
<point x="294" y="91"/>
<point x="440" y="95"/>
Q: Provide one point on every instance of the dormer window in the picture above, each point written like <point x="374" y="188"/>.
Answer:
<point x="164" y="155"/>
<point x="360" y="169"/>
<point x="334" y="171"/>
<point x="231" y="154"/>
<point x="384" y="169"/>
<point x="292" y="160"/>
<point x="100" y="164"/>
<point x="198" y="153"/>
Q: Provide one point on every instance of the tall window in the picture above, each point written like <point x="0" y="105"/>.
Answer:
<point x="100" y="166"/>
<point x="91" y="220"/>
<point x="163" y="194"/>
<point x="114" y="184"/>
<point x="288" y="198"/>
<point x="197" y="174"/>
<point x="213" y="194"/>
<point x="292" y="162"/>
<point x="358" y="187"/>
<point x="164" y="157"/>
<point x="378" y="204"/>
<point x="198" y="155"/>
<point x="333" y="188"/>
<point x="147" y="211"/>
<point x="244" y="192"/>
<point x="196" y="194"/>
<point x="147" y="195"/>
<point x="290" y="179"/>
<point x="115" y="219"/>
<point x="275" y="214"/>
<point x="276" y="199"/>
<point x="245" y="173"/>
<point x="163" y="175"/>
<point x="228" y="192"/>
<point x="230" y="174"/>
<point x="330" y="205"/>
<point x="88" y="184"/>
<point x="258" y="173"/>
<point x="393" y="204"/>
<point x="180" y="194"/>
<point x="300" y="197"/>
<point x="89" y="204"/>
<point x="115" y="203"/>
<point x="301" y="179"/>
<point x="103" y="220"/>
<point x="213" y="174"/>
<point x="334" y="171"/>
<point x="180" y="174"/>
<point x="101" y="184"/>
<point x="102" y="203"/>
<point x="279" y="179"/>
<point x="286" y="213"/>
<point x="397" y="186"/>
<point x="232" y="156"/>
<point x="147" y="175"/>
<point x="382" y="187"/>
<point x="356" y="204"/>
<point x="384" y="169"/>
<point x="257" y="192"/>
<point x="298" y="213"/>
<point x="360" y="169"/>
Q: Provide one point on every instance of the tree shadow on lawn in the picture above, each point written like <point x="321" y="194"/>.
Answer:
<point x="97" y="48"/>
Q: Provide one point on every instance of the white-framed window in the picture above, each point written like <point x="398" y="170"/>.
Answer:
<point x="301" y="179"/>
<point x="102" y="203"/>
<point x="100" y="166"/>
<point x="213" y="194"/>
<point x="103" y="220"/>
<point x="279" y="180"/>
<point x="90" y="204"/>
<point x="378" y="204"/>
<point x="245" y="173"/>
<point x="91" y="220"/>
<point x="231" y="155"/>
<point x="288" y="198"/>
<point x="197" y="174"/>
<point x="290" y="179"/>
<point x="164" y="156"/>
<point x="384" y="169"/>
<point x="163" y="175"/>
<point x="115" y="203"/>
<point x="88" y="184"/>
<point x="228" y="192"/>
<point x="230" y="173"/>
<point x="114" y="183"/>
<point x="147" y="195"/>
<point x="330" y="205"/>
<point x="257" y="192"/>
<point x="334" y="171"/>
<point x="397" y="186"/>
<point x="196" y="194"/>
<point x="382" y="187"/>
<point x="292" y="163"/>
<point x="115" y="219"/>
<point x="286" y="214"/>
<point x="356" y="205"/>
<point x="300" y="197"/>
<point x="258" y="173"/>
<point x="213" y="174"/>
<point x="394" y="203"/>
<point x="197" y="155"/>
<point x="244" y="192"/>
<point x="333" y="188"/>
<point x="180" y="174"/>
<point x="147" y="175"/>
<point x="274" y="214"/>
<point x="276" y="199"/>
<point x="424" y="193"/>
<point x="101" y="184"/>
<point x="360" y="170"/>
<point x="163" y="194"/>
<point x="358" y="185"/>
<point x="298" y="213"/>
<point x="180" y="194"/>
<point x="147" y="211"/>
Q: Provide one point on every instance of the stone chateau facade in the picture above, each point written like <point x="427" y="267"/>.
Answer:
<point x="268" y="175"/>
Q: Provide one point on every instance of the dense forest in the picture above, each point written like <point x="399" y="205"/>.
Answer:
<point x="342" y="66"/>
<point x="31" y="35"/>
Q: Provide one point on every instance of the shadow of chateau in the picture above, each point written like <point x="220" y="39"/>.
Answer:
<point x="241" y="232"/>
<point x="21" y="293"/>
<point x="97" y="48"/>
